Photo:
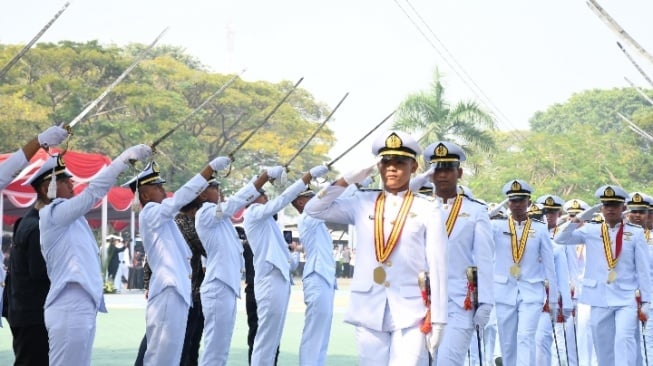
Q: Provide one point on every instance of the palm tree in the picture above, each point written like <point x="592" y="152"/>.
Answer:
<point x="428" y="113"/>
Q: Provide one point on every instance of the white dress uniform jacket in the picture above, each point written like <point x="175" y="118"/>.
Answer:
<point x="167" y="252"/>
<point x="421" y="247"/>
<point x="170" y="283"/>
<point x="470" y="244"/>
<point x="633" y="271"/>
<point x="519" y="301"/>
<point x="224" y="250"/>
<point x="224" y="267"/>
<point x="536" y="265"/>
<point x="267" y="241"/>
<point x="272" y="265"/>
<point x="72" y="258"/>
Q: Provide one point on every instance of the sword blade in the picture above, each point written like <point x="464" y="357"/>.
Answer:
<point x="330" y="164"/>
<point x="197" y="109"/>
<point x="318" y="129"/>
<point x="267" y="117"/>
<point x="29" y="45"/>
<point x="124" y="74"/>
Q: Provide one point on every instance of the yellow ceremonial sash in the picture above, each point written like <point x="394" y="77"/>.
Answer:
<point x="384" y="249"/>
<point x="453" y="214"/>
<point x="518" y="250"/>
<point x="607" y="244"/>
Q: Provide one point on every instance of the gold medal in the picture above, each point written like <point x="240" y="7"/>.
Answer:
<point x="379" y="275"/>
<point x="515" y="270"/>
<point x="612" y="276"/>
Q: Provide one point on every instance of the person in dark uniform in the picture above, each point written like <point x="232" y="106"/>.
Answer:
<point x="28" y="289"/>
<point x="185" y="220"/>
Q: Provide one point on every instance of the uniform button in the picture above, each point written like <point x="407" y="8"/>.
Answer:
<point x="386" y="284"/>
<point x="388" y="263"/>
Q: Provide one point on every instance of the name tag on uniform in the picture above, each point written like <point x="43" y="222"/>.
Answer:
<point x="463" y="214"/>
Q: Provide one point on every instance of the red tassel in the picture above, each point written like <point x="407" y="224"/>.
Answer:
<point x="467" y="305"/>
<point x="546" y="308"/>
<point x="426" y="326"/>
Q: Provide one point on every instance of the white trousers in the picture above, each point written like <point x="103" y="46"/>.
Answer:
<point x="488" y="342"/>
<point x="402" y="347"/>
<point x="586" y="352"/>
<point x="457" y="335"/>
<point x="614" y="330"/>
<point x="165" y="325"/>
<point x="70" y="321"/>
<point x="219" y="308"/>
<point x="122" y="271"/>
<point x="517" y="325"/>
<point x="272" y="292"/>
<point x="318" y="297"/>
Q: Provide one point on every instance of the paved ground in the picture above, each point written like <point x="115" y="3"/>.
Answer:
<point x="120" y="331"/>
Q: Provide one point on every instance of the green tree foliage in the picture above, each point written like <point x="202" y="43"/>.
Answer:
<point x="572" y="164"/>
<point x="54" y="82"/>
<point x="434" y="118"/>
<point x="592" y="108"/>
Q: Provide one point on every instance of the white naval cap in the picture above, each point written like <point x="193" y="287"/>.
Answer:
<point x="149" y="175"/>
<point x="575" y="206"/>
<point x="444" y="154"/>
<point x="397" y="143"/>
<point x="638" y="201"/>
<point x="611" y="194"/>
<point x="517" y="189"/>
<point x="53" y="165"/>
<point x="550" y="202"/>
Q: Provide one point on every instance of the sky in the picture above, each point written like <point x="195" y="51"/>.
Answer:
<point x="513" y="57"/>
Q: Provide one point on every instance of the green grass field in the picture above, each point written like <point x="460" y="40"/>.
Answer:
<point x="119" y="333"/>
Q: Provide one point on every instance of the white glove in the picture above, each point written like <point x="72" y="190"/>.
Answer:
<point x="319" y="171"/>
<point x="420" y="180"/>
<point x="358" y="176"/>
<point x="220" y="163"/>
<point x="275" y="172"/>
<point x="434" y="338"/>
<point x="366" y="182"/>
<point x="135" y="153"/>
<point x="53" y="136"/>
<point x="645" y="308"/>
<point x="482" y="315"/>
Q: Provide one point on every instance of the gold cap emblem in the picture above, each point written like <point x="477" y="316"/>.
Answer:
<point x="609" y="192"/>
<point x="516" y="186"/>
<point x="575" y="204"/>
<point x="441" y="150"/>
<point x="549" y="201"/>
<point x="60" y="161"/>
<point x="155" y="167"/>
<point x="393" y="141"/>
<point x="637" y="198"/>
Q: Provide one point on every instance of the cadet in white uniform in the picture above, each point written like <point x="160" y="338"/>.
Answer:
<point x="470" y="245"/>
<point x="72" y="257"/>
<point x="399" y="235"/>
<point x="273" y="263"/>
<point x="12" y="166"/>
<point x="620" y="266"/>
<point x="319" y="280"/>
<point x="523" y="262"/>
<point x="637" y="205"/>
<point x="552" y="208"/>
<point x="584" y="343"/>
<point x="224" y="266"/>
<point x="169" y="257"/>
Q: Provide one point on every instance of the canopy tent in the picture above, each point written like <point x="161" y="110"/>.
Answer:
<point x="17" y="199"/>
<point x="114" y="209"/>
